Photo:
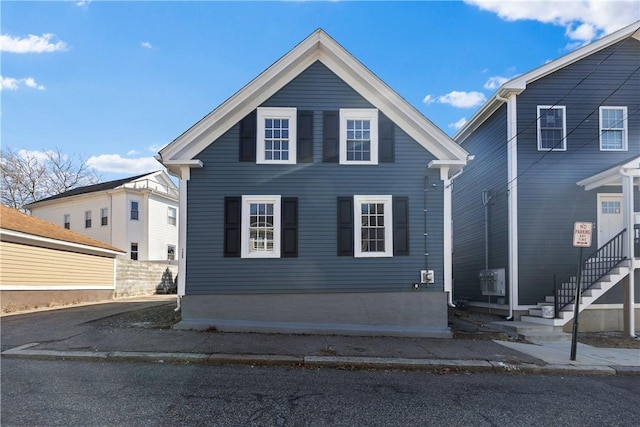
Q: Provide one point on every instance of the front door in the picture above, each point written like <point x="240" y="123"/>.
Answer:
<point x="609" y="217"/>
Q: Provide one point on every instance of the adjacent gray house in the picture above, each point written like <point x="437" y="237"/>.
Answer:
<point x="555" y="146"/>
<point x="315" y="200"/>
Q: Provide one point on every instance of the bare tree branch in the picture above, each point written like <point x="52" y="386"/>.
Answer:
<point x="28" y="176"/>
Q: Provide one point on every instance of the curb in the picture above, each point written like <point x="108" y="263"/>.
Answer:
<point x="375" y="363"/>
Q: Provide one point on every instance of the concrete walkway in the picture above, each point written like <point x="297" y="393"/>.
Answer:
<point x="96" y="333"/>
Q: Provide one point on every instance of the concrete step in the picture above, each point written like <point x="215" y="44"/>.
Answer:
<point x="536" y="332"/>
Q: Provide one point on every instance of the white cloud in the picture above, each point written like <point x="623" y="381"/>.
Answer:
<point x="461" y="99"/>
<point x="114" y="163"/>
<point x="495" y="82"/>
<point x="41" y="156"/>
<point x="155" y="148"/>
<point x="132" y="152"/>
<point x="84" y="3"/>
<point x="583" y="20"/>
<point x="31" y="44"/>
<point x="146" y="45"/>
<point x="428" y="99"/>
<point x="457" y="125"/>
<point x="11" y="83"/>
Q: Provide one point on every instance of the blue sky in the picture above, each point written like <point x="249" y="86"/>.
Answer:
<point x="114" y="82"/>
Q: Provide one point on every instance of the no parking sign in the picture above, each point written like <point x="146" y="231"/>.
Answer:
<point x="582" y="234"/>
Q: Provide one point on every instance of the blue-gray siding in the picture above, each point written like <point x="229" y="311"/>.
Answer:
<point x="549" y="201"/>
<point x="488" y="171"/>
<point x="317" y="186"/>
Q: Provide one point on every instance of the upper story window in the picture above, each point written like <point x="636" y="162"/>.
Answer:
<point x="172" y="215"/>
<point x="87" y="219"/>
<point x="373" y="226"/>
<point x="134" y="211"/>
<point x="276" y="141"/>
<point x="552" y="128"/>
<point x="613" y="128"/>
<point x="67" y="221"/>
<point x="104" y="216"/>
<point x="260" y="227"/>
<point x="359" y="136"/>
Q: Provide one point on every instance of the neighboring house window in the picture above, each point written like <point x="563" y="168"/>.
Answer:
<point x="552" y="128"/>
<point x="67" y="221"/>
<point x="104" y="216"/>
<point x="171" y="252"/>
<point x="134" y="251"/>
<point x="613" y="128"/>
<point x="359" y="136"/>
<point x="172" y="215"/>
<point x="260" y="227"/>
<point x="134" y="211"/>
<point x="87" y="219"/>
<point x="373" y="219"/>
<point x="276" y="141"/>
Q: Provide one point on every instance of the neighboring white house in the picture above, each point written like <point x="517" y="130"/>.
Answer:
<point x="138" y="214"/>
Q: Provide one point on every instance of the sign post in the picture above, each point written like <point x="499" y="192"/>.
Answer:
<point x="582" y="232"/>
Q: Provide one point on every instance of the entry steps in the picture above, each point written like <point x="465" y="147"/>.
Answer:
<point x="535" y="332"/>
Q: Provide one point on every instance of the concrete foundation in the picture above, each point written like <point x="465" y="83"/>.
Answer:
<point x="602" y="319"/>
<point x="419" y="314"/>
<point x="29" y="300"/>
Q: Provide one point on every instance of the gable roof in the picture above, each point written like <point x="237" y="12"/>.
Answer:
<point x="12" y="220"/>
<point x="319" y="46"/>
<point x="518" y="84"/>
<point x="104" y="186"/>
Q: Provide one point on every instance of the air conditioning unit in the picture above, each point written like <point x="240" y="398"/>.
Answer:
<point x="492" y="282"/>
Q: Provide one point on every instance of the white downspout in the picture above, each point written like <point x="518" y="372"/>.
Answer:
<point x="512" y="188"/>
<point x="447" y="244"/>
<point x="185" y="176"/>
<point x="628" y="219"/>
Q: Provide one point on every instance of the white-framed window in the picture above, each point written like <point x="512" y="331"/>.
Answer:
<point x="104" y="216"/>
<point x="613" y="128"/>
<point x="260" y="227"/>
<point x="87" y="219"/>
<point x="552" y="128"/>
<point x="172" y="215"/>
<point x="373" y="231"/>
<point x="276" y="141"/>
<point x="135" y="213"/>
<point x="134" y="251"/>
<point x="358" y="136"/>
<point x="67" y="221"/>
<point x="171" y="252"/>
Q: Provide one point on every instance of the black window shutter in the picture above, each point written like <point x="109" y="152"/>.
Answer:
<point x="248" y="138"/>
<point x="330" y="136"/>
<point x="289" y="225"/>
<point x="305" y="137"/>
<point x="232" y="226"/>
<point x="345" y="226"/>
<point x="400" y="226"/>
<point x="386" y="139"/>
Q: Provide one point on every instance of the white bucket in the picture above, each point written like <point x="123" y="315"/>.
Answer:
<point x="548" y="311"/>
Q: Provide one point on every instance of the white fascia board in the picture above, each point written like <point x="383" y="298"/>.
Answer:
<point x="611" y="176"/>
<point x="177" y="167"/>
<point x="47" y="242"/>
<point x="317" y="47"/>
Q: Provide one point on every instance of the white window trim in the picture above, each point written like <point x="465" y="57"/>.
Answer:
<point x="174" y="217"/>
<point x="131" y="202"/>
<point x="388" y="229"/>
<point x="277" y="113"/>
<point x="625" y="131"/>
<point x="563" y="147"/>
<point x="370" y="114"/>
<point x="102" y="211"/>
<point x="245" y="235"/>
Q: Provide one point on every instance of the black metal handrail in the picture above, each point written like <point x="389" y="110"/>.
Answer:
<point x="594" y="268"/>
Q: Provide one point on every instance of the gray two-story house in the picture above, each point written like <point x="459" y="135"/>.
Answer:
<point x="555" y="146"/>
<point x="315" y="200"/>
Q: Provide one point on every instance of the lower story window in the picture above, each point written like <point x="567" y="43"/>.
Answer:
<point x="134" y="251"/>
<point x="171" y="252"/>
<point x="260" y="226"/>
<point x="373" y="226"/>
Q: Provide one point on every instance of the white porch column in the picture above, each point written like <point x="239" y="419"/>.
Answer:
<point x="512" y="187"/>
<point x="447" y="238"/>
